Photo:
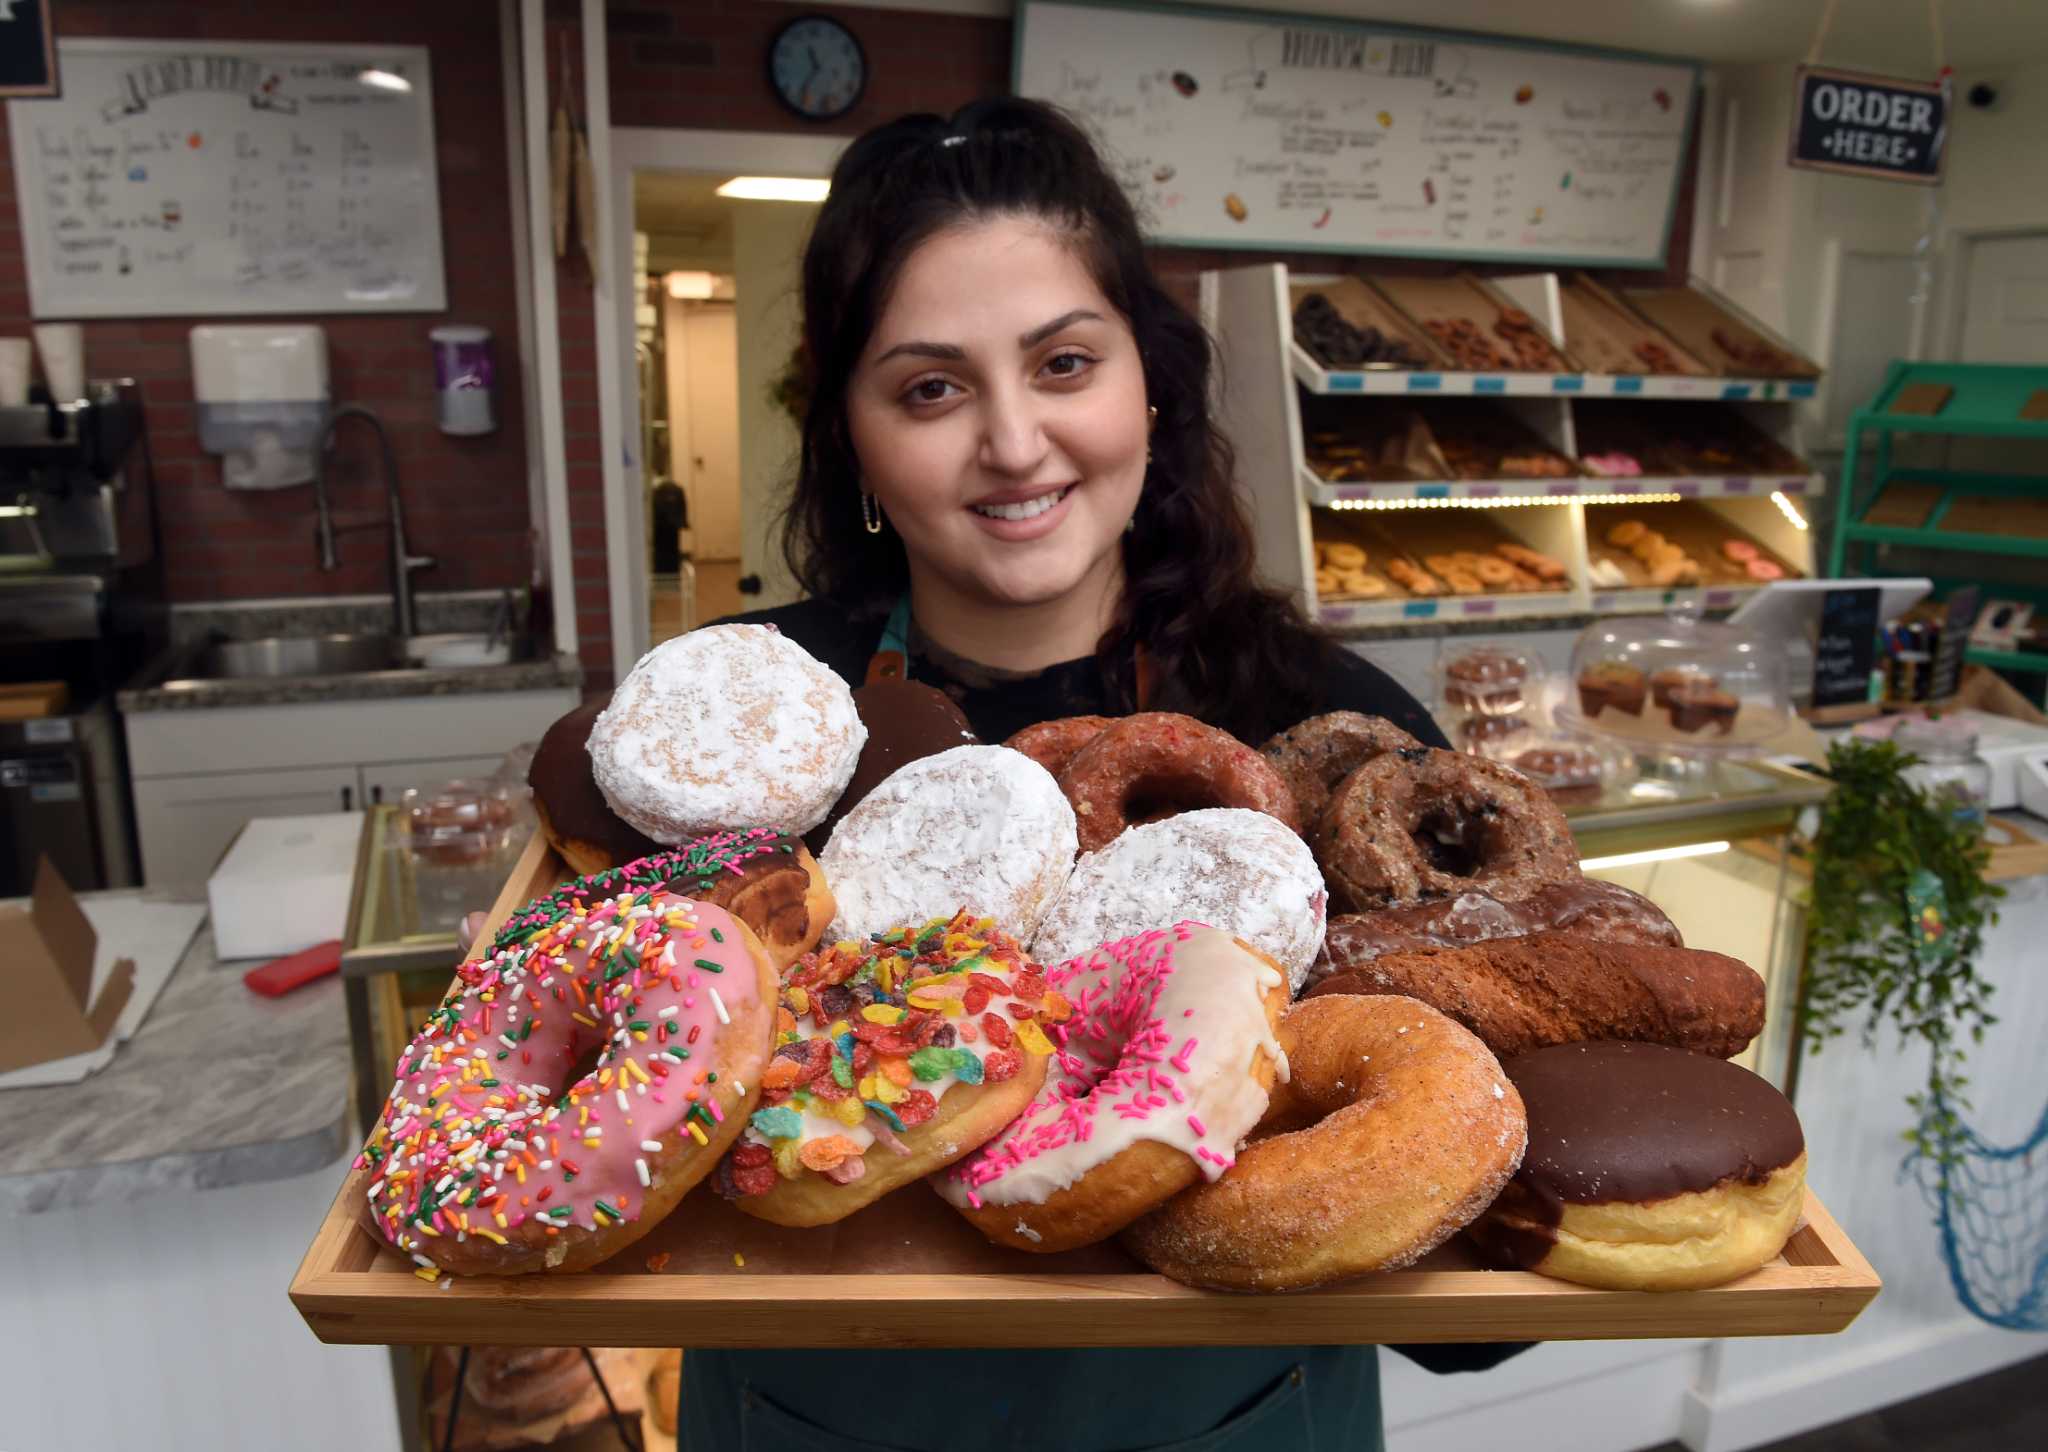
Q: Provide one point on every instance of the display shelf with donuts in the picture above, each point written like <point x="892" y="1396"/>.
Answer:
<point x="1455" y="564"/>
<point x="1723" y="548"/>
<point x="1152" y="1014"/>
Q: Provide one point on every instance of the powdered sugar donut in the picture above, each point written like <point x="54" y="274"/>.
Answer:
<point x="1163" y="1068"/>
<point x="1238" y="870"/>
<point x="980" y="828"/>
<point x="725" y="729"/>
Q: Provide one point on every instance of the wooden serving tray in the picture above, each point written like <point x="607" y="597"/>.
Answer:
<point x="910" y="1272"/>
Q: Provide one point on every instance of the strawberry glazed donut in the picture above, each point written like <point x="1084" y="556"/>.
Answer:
<point x="1155" y="765"/>
<point x="494" y="1155"/>
<point x="1163" y="1069"/>
<point x="1052" y="744"/>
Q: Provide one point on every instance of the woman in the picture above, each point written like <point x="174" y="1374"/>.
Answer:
<point x="1011" y="488"/>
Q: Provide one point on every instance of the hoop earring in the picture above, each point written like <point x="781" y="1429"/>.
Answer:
<point x="870" y="512"/>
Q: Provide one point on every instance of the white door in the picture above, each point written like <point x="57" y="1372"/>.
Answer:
<point x="184" y="823"/>
<point x="711" y="471"/>
<point x="2005" y="300"/>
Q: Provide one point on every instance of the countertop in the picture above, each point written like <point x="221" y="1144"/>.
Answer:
<point x="219" y="1087"/>
<point x="548" y="673"/>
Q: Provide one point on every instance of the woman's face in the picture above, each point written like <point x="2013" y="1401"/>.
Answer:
<point x="999" y="415"/>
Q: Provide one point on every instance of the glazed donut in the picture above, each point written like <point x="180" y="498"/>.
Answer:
<point x="1412" y="578"/>
<point x="1240" y="871"/>
<point x="1155" y="764"/>
<point x="1405" y="828"/>
<point x="1367" y="587"/>
<point x="906" y="721"/>
<point x="1052" y="744"/>
<point x="1312" y="756"/>
<point x="982" y="828"/>
<point x="768" y="881"/>
<point x="1328" y="582"/>
<point x="1183" y="1015"/>
<point x="893" y="1058"/>
<point x="492" y="1157"/>
<point x="574" y="816"/>
<point x="1464" y="582"/>
<point x="1343" y="555"/>
<point x="726" y="728"/>
<point x="1627" y="533"/>
<point x="1649" y="1169"/>
<point x="1494" y="572"/>
<point x="1393" y="1130"/>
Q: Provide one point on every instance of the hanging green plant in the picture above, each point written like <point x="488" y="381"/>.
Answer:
<point x="790" y="390"/>
<point x="1900" y="905"/>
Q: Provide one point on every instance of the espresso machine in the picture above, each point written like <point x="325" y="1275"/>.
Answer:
<point x="81" y="609"/>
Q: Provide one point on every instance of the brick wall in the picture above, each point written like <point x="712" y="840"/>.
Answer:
<point x="465" y="498"/>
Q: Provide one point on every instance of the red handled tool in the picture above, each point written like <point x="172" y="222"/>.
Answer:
<point x="280" y="976"/>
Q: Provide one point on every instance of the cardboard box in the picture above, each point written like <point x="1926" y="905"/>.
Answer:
<point x="284" y="884"/>
<point x="46" y="952"/>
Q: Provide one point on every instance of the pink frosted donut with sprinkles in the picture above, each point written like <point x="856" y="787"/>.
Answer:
<point x="1161" y="1071"/>
<point x="572" y="1087"/>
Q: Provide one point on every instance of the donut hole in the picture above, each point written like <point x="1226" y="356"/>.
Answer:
<point x="1460" y="838"/>
<point x="1155" y="798"/>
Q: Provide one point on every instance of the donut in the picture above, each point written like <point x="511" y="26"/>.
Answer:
<point x="574" y="816"/>
<point x="1342" y="555"/>
<point x="494" y="1156"/>
<point x="1150" y="766"/>
<point x="1412" y="578"/>
<point x="1411" y="826"/>
<point x="1486" y="679"/>
<point x="1494" y="572"/>
<point x="982" y="828"/>
<point x="1464" y="582"/>
<point x="1392" y="1131"/>
<point x="1328" y="582"/>
<point x="726" y="728"/>
<point x="1571" y="774"/>
<point x="1312" y="756"/>
<point x="1627" y="533"/>
<point x="1161" y="1072"/>
<point x="1649" y="1169"/>
<point x="894" y="1057"/>
<point x="1763" y="571"/>
<point x="1740" y="551"/>
<point x="1368" y="587"/>
<point x="905" y="721"/>
<point x="1052" y="744"/>
<point x="1241" y="871"/>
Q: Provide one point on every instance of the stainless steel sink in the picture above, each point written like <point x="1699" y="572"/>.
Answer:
<point x="302" y="655"/>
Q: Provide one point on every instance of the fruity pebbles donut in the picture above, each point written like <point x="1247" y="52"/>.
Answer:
<point x="893" y="1058"/>
<point x="493" y="1157"/>
<point x="1241" y="871"/>
<point x="1162" y="1071"/>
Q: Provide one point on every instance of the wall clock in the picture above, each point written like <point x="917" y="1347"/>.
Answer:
<point x="817" y="67"/>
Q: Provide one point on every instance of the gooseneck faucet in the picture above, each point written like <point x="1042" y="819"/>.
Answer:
<point x="403" y="561"/>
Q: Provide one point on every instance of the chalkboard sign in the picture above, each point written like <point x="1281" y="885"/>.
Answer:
<point x="1870" y="126"/>
<point x="28" y="61"/>
<point x="205" y="177"/>
<point x="1846" y="647"/>
<point x="1312" y="133"/>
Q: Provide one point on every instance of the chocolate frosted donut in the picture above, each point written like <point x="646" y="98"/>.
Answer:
<point x="1425" y="824"/>
<point x="1647" y="1169"/>
<point x="906" y="721"/>
<point x="583" y="829"/>
<point x="1313" y="756"/>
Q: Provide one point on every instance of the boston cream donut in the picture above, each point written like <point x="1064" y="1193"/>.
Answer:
<point x="893" y="1058"/>
<point x="1162" y="1070"/>
<point x="1649" y="1169"/>
<point x="1394" y="1128"/>
<point x="726" y="728"/>
<point x="493" y="1157"/>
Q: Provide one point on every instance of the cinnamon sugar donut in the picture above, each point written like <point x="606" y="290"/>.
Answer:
<point x="1426" y="824"/>
<point x="1150" y="766"/>
<point x="1162" y="1070"/>
<point x="1312" y="756"/>
<point x="1052" y="744"/>
<point x="983" y="828"/>
<point x="1393" y="1130"/>
<point x="726" y="728"/>
<point x="1229" y="868"/>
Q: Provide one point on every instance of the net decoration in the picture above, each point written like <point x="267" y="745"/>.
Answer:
<point x="1990" y="1204"/>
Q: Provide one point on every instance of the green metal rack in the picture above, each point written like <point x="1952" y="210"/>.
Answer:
<point x="1986" y="401"/>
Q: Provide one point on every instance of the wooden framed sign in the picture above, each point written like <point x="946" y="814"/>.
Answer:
<point x="1870" y="126"/>
<point x="28" y="57"/>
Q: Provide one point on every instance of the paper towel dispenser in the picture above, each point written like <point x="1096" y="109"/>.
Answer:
<point x="263" y="401"/>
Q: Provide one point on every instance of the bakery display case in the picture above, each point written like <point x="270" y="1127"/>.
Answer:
<point x="1676" y="685"/>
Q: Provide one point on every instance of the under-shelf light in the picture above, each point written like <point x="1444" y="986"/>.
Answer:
<point x="1654" y="854"/>
<point x="1787" y="508"/>
<point x="1503" y="502"/>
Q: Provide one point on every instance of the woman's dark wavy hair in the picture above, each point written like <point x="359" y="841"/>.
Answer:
<point x="1222" y="647"/>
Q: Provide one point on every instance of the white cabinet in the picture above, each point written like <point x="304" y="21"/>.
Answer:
<point x="185" y="823"/>
<point x="198" y="775"/>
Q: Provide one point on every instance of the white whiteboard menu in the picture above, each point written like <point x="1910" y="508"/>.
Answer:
<point x="175" y="178"/>
<point x="1297" y="133"/>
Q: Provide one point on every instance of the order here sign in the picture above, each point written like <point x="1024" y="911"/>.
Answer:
<point x="1870" y="126"/>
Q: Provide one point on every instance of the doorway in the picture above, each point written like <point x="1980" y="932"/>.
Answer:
<point x="718" y="326"/>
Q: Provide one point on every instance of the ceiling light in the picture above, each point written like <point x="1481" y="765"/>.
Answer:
<point x="1655" y="854"/>
<point x="776" y="189"/>
<point x="690" y="284"/>
<point x="383" y="80"/>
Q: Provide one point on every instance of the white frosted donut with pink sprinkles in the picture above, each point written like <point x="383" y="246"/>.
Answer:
<point x="1163" y="1069"/>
